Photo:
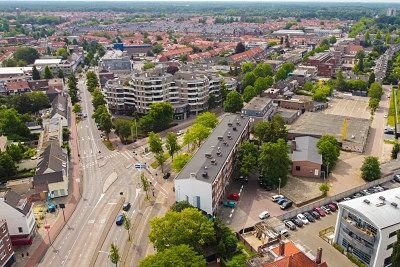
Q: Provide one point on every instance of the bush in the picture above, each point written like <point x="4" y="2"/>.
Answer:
<point x="338" y="247"/>
<point x="354" y="260"/>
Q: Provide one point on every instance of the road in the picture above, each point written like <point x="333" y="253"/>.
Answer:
<point x="77" y="242"/>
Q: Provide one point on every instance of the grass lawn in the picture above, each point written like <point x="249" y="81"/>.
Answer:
<point x="155" y="164"/>
<point x="24" y="174"/>
<point x="391" y="115"/>
<point x="108" y="144"/>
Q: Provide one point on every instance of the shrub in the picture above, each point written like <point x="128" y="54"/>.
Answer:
<point x="354" y="260"/>
<point x="338" y="247"/>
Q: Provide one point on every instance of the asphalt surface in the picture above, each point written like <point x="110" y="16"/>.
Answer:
<point x="77" y="242"/>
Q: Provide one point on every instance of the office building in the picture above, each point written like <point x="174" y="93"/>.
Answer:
<point x="203" y="181"/>
<point x="366" y="226"/>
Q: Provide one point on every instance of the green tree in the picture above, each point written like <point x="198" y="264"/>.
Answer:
<point x="98" y="99"/>
<point x="340" y="81"/>
<point x="283" y="72"/>
<point x="15" y="151"/>
<point x="248" y="158"/>
<point x="180" y="205"/>
<point x="47" y="73"/>
<point x="27" y="54"/>
<point x="12" y="126"/>
<point x="240" y="48"/>
<point x="375" y="91"/>
<point x="247" y="67"/>
<point x="395" y="150"/>
<point x="127" y="225"/>
<point x="158" y="118"/>
<point x="62" y="52"/>
<point x="189" y="138"/>
<point x="329" y="148"/>
<point x="180" y="161"/>
<point x="396" y="251"/>
<point x="35" y="73"/>
<point x="148" y="65"/>
<point x="207" y="119"/>
<point x="157" y="49"/>
<point x="188" y="227"/>
<point x="60" y="74"/>
<point x="249" y="93"/>
<point x="200" y="132"/>
<point x="324" y="188"/>
<point x="263" y="70"/>
<point x="171" y="143"/>
<point x="145" y="184"/>
<point x="308" y="86"/>
<point x="161" y="160"/>
<point x="7" y="166"/>
<point x="155" y="143"/>
<point x="249" y="79"/>
<point x="105" y="123"/>
<point x="91" y="81"/>
<point x="233" y="102"/>
<point x="123" y="128"/>
<point x="270" y="131"/>
<point x="373" y="104"/>
<point x="260" y="85"/>
<point x="274" y="162"/>
<point x="77" y="108"/>
<point x="114" y="254"/>
<point x="332" y="39"/>
<point x="370" y="170"/>
<point x="360" y="56"/>
<point x="371" y="79"/>
<point x="181" y="255"/>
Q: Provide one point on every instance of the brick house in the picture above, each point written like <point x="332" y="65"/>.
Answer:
<point x="306" y="160"/>
<point x="7" y="255"/>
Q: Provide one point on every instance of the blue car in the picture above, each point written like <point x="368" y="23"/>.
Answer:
<point x="119" y="220"/>
<point x="282" y="200"/>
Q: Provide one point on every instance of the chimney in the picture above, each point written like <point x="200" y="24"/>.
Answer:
<point x="281" y="248"/>
<point x="319" y="256"/>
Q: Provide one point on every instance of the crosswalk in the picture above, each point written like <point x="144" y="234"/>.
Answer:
<point x="126" y="154"/>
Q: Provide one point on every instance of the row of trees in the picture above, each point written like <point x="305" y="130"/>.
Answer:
<point x="21" y="57"/>
<point x="375" y="94"/>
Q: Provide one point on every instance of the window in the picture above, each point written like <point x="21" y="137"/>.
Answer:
<point x="297" y="168"/>
<point x="2" y="255"/>
<point x="20" y="229"/>
<point x="389" y="247"/>
<point x="9" y="247"/>
<point x="1" y="243"/>
<point x="388" y="261"/>
<point x="4" y="229"/>
<point x="392" y="234"/>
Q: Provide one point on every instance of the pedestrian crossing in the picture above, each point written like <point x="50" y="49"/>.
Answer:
<point x="126" y="154"/>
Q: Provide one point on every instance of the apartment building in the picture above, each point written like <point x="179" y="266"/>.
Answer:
<point x="367" y="226"/>
<point x="203" y="181"/>
<point x="260" y="108"/>
<point x="7" y="256"/>
<point x="325" y="63"/>
<point x="115" y="61"/>
<point x="68" y="65"/>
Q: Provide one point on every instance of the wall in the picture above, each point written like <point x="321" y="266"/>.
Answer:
<point x="58" y="186"/>
<point x="16" y="219"/>
<point x="307" y="169"/>
<point x="192" y="187"/>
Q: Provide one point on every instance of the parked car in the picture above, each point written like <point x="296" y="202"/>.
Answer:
<point x="275" y="198"/>
<point x="320" y="212"/>
<point x="263" y="215"/>
<point x="126" y="206"/>
<point x="346" y="198"/>
<point x="290" y="225"/>
<point x="234" y="197"/>
<point x="230" y="204"/>
<point x="284" y="232"/>
<point x="331" y="207"/>
<point x="335" y="204"/>
<point x="297" y="222"/>
<point x="282" y="200"/>
<point x="315" y="214"/>
<point x="265" y="186"/>
<point x="302" y="218"/>
<point x="286" y="205"/>
<point x="309" y="217"/>
<point x="396" y="177"/>
<point x="179" y="133"/>
<point x="167" y="175"/>
<point x="326" y="210"/>
<point x="119" y="220"/>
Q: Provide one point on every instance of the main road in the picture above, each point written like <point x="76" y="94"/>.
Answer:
<point x="107" y="175"/>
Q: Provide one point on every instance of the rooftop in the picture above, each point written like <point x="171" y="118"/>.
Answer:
<point x="258" y="103"/>
<point x="47" y="61"/>
<point x="14" y="70"/>
<point x="216" y="148"/>
<point x="113" y="54"/>
<point x="376" y="207"/>
<point x="306" y="150"/>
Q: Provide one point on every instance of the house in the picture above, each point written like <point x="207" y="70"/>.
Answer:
<point x="59" y="110"/>
<point x="260" y="108"/>
<point x="17" y="87"/>
<point x="306" y="160"/>
<point x="39" y="85"/>
<point x="7" y="255"/>
<point x="51" y="175"/>
<point x="18" y="213"/>
<point x="302" y="103"/>
<point x="205" y="178"/>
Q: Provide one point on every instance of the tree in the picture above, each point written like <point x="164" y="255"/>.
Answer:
<point x="155" y="143"/>
<point x="27" y="54"/>
<point x="157" y="48"/>
<point x="340" y="81"/>
<point x="396" y="251"/>
<point x="15" y="151"/>
<point x="247" y="67"/>
<point x="249" y="79"/>
<point x="148" y="65"/>
<point x="375" y="91"/>
<point x="329" y="148"/>
<point x="161" y="160"/>
<point x="180" y="161"/>
<point x="12" y="126"/>
<point x="60" y="74"/>
<point x="308" y="86"/>
<point x="188" y="227"/>
<point x="158" y="118"/>
<point x="127" y="225"/>
<point x="249" y="93"/>
<point x="248" y="158"/>
<point x="373" y="104"/>
<point x="207" y="119"/>
<point x="105" y="123"/>
<point x="240" y="48"/>
<point x="360" y="57"/>
<point x="371" y="79"/>
<point x="332" y="39"/>
<point x="284" y="71"/>
<point x="172" y="143"/>
<point x="114" y="254"/>
<point x="199" y="132"/>
<point x="370" y="170"/>
<point x="35" y="73"/>
<point x="47" y="73"/>
<point x="233" y="102"/>
<point x="7" y="166"/>
<point x="123" y="128"/>
<point x="77" y="108"/>
<point x="260" y="85"/>
<point x="181" y="255"/>
<point x="98" y="99"/>
<point x="270" y="131"/>
<point x="189" y="138"/>
<point x="274" y="162"/>
<point x="91" y="81"/>
<point x="62" y="52"/>
<point x="263" y="70"/>
<point x="395" y="150"/>
<point x="324" y="188"/>
<point x="145" y="184"/>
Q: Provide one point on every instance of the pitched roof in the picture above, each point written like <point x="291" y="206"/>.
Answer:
<point x="59" y="105"/>
<point x="41" y="180"/>
<point x="20" y="85"/>
<point x="53" y="158"/>
<point x="306" y="150"/>
<point x="18" y="202"/>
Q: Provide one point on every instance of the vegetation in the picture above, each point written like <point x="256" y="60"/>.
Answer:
<point x="375" y="93"/>
<point x="395" y="150"/>
<point x="270" y="131"/>
<point x="396" y="251"/>
<point x="92" y="82"/>
<point x="171" y="143"/>
<point x="145" y="184"/>
<point x="329" y="148"/>
<point x="25" y="54"/>
<point x="248" y="158"/>
<point x="324" y="188"/>
<point x="158" y="118"/>
<point x="148" y="65"/>
<point x="370" y="170"/>
<point x="181" y="255"/>
<point x="180" y="161"/>
<point x="72" y="88"/>
<point x="283" y="72"/>
<point x="233" y="102"/>
<point x="127" y="225"/>
<point x="207" y="119"/>
<point x="181" y="205"/>
<point x="114" y="254"/>
<point x="77" y="108"/>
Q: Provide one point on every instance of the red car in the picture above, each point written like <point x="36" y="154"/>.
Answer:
<point x="320" y="212"/>
<point x="234" y="197"/>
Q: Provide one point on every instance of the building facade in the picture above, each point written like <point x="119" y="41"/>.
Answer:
<point x="115" y="61"/>
<point x="367" y="226"/>
<point x="203" y="181"/>
<point x="7" y="256"/>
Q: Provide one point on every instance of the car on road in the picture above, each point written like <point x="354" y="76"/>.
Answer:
<point x="126" y="206"/>
<point x="290" y="225"/>
<point x="320" y="212"/>
<point x="119" y="220"/>
<point x="297" y="222"/>
<point x="286" y="205"/>
<point x="230" y="204"/>
<point x="302" y="218"/>
<point x="34" y="158"/>
<point x="326" y="210"/>
<point x="167" y="175"/>
<point x="275" y="198"/>
<point x="309" y="217"/>
<point x="263" y="215"/>
<point x="179" y="133"/>
<point x="234" y="196"/>
<point x="85" y="115"/>
<point x="385" y="116"/>
<point x="282" y="200"/>
<point x="315" y="214"/>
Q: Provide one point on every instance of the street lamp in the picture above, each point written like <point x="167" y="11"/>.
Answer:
<point x="279" y="188"/>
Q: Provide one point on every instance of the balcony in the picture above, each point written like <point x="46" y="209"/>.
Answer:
<point x="364" y="233"/>
<point x="355" y="243"/>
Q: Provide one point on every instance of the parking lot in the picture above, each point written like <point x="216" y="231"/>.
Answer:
<point x="353" y="106"/>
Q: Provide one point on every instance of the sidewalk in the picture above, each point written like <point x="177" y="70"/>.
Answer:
<point x="74" y="198"/>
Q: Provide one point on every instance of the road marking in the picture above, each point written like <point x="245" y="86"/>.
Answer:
<point x="91" y="222"/>
<point x="125" y="156"/>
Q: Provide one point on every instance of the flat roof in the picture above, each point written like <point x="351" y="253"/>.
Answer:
<point x="258" y="103"/>
<point x="318" y="124"/>
<point x="47" y="61"/>
<point x="380" y="212"/>
<point x="200" y="164"/>
<point x="14" y="70"/>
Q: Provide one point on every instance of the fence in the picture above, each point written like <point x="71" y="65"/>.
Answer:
<point x="328" y="200"/>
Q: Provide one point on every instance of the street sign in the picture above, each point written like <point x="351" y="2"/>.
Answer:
<point x="140" y="166"/>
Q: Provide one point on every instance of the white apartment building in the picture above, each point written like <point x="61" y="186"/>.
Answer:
<point x="367" y="226"/>
<point x="115" y="61"/>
